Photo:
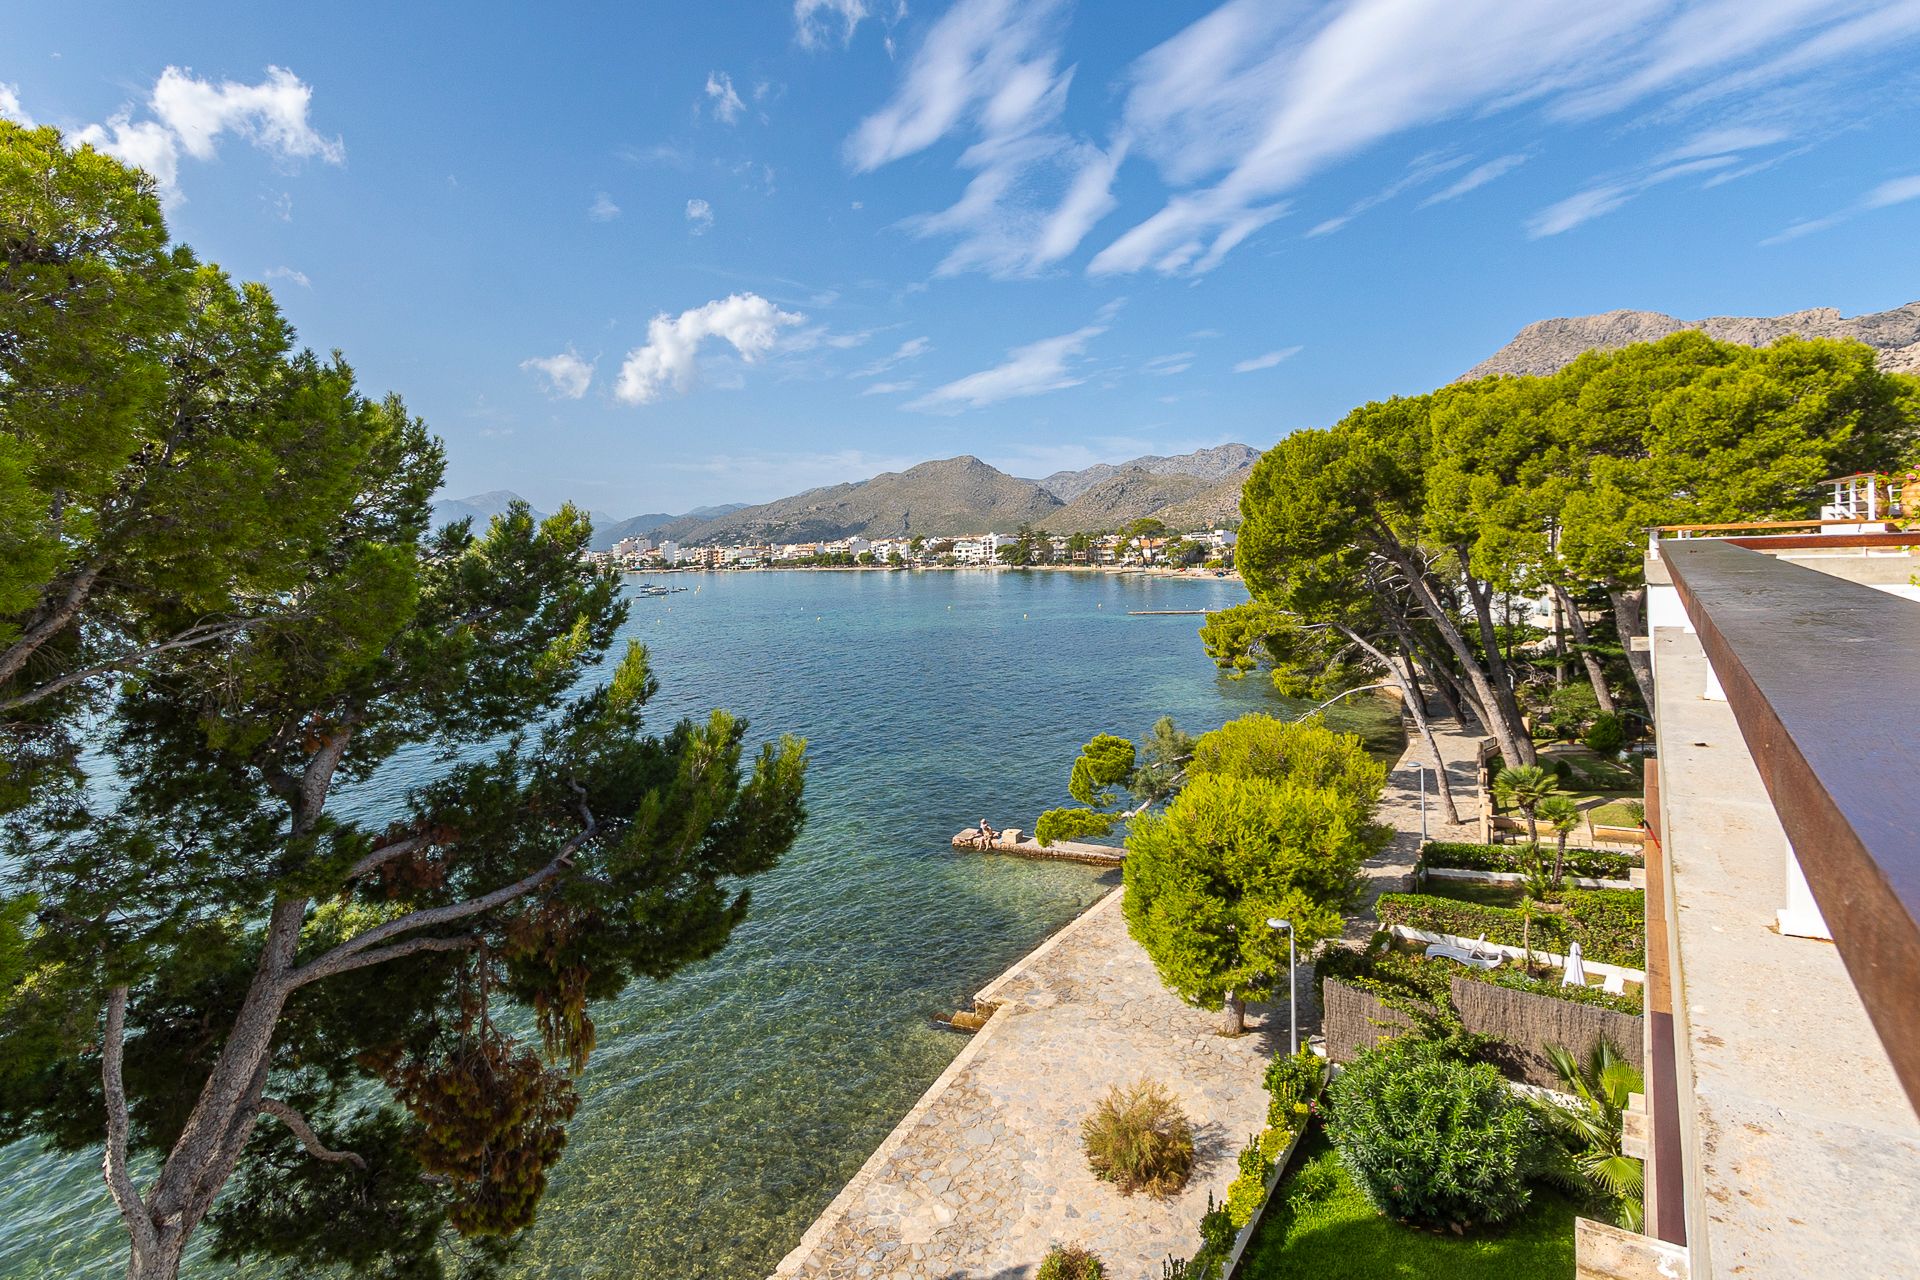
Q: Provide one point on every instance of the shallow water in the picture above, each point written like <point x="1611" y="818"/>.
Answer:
<point x="725" y="1108"/>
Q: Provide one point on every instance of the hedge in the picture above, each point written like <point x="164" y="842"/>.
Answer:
<point x="1601" y="864"/>
<point x="1396" y="973"/>
<point x="1609" y="924"/>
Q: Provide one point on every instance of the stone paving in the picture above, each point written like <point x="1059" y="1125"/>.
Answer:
<point x="986" y="1172"/>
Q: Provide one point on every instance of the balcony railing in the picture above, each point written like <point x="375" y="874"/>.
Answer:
<point x="1823" y="677"/>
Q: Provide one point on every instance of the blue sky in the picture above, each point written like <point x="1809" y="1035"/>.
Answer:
<point x="652" y="256"/>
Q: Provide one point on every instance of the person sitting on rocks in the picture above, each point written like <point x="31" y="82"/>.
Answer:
<point x="987" y="834"/>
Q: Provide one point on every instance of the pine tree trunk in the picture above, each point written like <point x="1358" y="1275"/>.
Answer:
<point x="1629" y="619"/>
<point x="1233" y="1021"/>
<point x="1596" y="674"/>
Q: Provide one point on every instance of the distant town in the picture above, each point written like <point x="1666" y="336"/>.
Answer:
<point x="1146" y="544"/>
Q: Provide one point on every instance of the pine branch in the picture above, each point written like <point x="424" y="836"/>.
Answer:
<point x="133" y="1210"/>
<point x="303" y="1131"/>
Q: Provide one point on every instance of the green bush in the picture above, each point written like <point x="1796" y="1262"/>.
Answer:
<point x="1293" y="1080"/>
<point x="1249" y="1189"/>
<point x="1606" y="736"/>
<point x="1140" y="1140"/>
<point x="1073" y="824"/>
<point x="1216" y="1241"/>
<point x="1609" y="924"/>
<point x="1431" y="1139"/>
<point x="1397" y="974"/>
<point x="1069" y="1262"/>
<point x="1601" y="864"/>
<point x="1570" y="708"/>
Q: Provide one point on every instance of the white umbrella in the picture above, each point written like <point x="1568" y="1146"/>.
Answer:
<point x="1576" y="975"/>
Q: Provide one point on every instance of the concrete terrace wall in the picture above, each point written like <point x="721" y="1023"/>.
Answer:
<point x="1522" y="1021"/>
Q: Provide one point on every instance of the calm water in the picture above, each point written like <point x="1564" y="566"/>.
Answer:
<point x="725" y="1108"/>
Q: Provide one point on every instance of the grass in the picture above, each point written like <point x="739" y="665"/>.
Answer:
<point x="1319" y="1225"/>
<point x="1614" y="813"/>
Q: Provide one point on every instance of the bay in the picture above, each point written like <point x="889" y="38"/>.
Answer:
<point x="724" y="1108"/>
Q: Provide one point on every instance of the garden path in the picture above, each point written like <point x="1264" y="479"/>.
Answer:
<point x="986" y="1172"/>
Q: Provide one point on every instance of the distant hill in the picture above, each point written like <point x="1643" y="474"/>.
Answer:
<point x="658" y="526"/>
<point x="607" y="530"/>
<point x="1547" y="345"/>
<point x="1123" y="497"/>
<point x="1208" y="464"/>
<point x="1214" y="507"/>
<point x="935" y="499"/>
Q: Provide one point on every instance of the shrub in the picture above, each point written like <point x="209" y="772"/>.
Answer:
<point x="1606" y="736"/>
<point x="1394" y="975"/>
<point x="1138" y="1139"/>
<point x="1570" y="708"/>
<point x="1609" y="924"/>
<point x="1431" y="1139"/>
<point x="1601" y="864"/>
<point x="1069" y="1262"/>
<point x="1292" y="1082"/>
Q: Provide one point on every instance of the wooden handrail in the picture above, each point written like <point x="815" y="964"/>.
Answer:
<point x="1823" y="677"/>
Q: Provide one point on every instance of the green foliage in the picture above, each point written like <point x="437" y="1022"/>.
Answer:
<point x="1139" y="1139"/>
<point x="1600" y="864"/>
<point x="1162" y="763"/>
<point x="1104" y="763"/>
<point x="1073" y="824"/>
<point x="1607" y="735"/>
<point x="1248" y="1191"/>
<point x="1525" y="787"/>
<point x="1229" y="853"/>
<point x="1304" y="751"/>
<point x="1398" y="976"/>
<point x="1590" y="1130"/>
<point x="1292" y="1081"/>
<point x="1432" y="1139"/>
<point x="165" y="460"/>
<point x="1070" y="1262"/>
<point x="1321" y="1225"/>
<point x="1217" y="1234"/>
<point x="1570" y="709"/>
<point x="1609" y="924"/>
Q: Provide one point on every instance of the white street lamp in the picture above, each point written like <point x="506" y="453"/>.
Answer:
<point x="1293" y="1017"/>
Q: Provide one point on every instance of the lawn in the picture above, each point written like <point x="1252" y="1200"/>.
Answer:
<point x="1486" y="893"/>
<point x="1320" y="1227"/>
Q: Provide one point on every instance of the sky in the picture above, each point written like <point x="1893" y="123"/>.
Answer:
<point x="647" y="257"/>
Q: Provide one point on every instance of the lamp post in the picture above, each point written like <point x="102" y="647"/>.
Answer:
<point x="1293" y="1017"/>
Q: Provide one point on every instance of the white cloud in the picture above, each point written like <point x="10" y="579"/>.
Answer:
<point x="1423" y="170"/>
<point x="669" y="359"/>
<point x="817" y="23"/>
<point x="272" y="115"/>
<point x="1031" y="370"/>
<point x="726" y="103"/>
<point x="1266" y="361"/>
<point x="1889" y="193"/>
<point x="1475" y="178"/>
<point x="1898" y="191"/>
<point x="567" y="376"/>
<point x="192" y="115"/>
<point x="1162" y="366"/>
<point x="700" y="214"/>
<point x="290" y="275"/>
<point x="1585" y="206"/>
<point x="990" y="69"/>
<point x="889" y="388"/>
<point x="10" y="108"/>
<point x="911" y="349"/>
<point x="1247" y="104"/>
<point x="603" y="209"/>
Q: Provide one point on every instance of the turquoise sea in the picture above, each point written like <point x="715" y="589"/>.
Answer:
<point x="726" y="1107"/>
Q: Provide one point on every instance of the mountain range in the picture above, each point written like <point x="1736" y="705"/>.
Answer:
<point x="962" y="495"/>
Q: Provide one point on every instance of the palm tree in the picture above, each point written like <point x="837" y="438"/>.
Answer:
<point x="1589" y="1131"/>
<point x="1563" y="815"/>
<point x="1523" y="787"/>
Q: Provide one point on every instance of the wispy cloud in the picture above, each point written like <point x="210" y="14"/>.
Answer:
<point x="818" y="23"/>
<point x="722" y="100"/>
<point x="10" y="108"/>
<point x="1889" y="193"/>
<point x="699" y="214"/>
<point x="189" y="116"/>
<point x="1267" y="361"/>
<point x="1162" y="366"/>
<point x="1422" y="171"/>
<point x="1584" y="206"/>
<point x="603" y="209"/>
<point x="566" y="375"/>
<point x="1246" y="105"/>
<point x="911" y="349"/>
<point x="289" y="275"/>
<point x="990" y="69"/>
<point x="669" y="359"/>
<point x="1475" y="178"/>
<point x="888" y="388"/>
<point x="1038" y="367"/>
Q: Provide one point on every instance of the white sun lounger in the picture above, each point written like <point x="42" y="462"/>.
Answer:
<point x="1467" y="955"/>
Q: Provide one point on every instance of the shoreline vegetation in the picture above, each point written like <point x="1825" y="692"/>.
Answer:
<point x="1148" y="571"/>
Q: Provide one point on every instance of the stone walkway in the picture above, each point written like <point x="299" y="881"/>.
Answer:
<point x="986" y="1172"/>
